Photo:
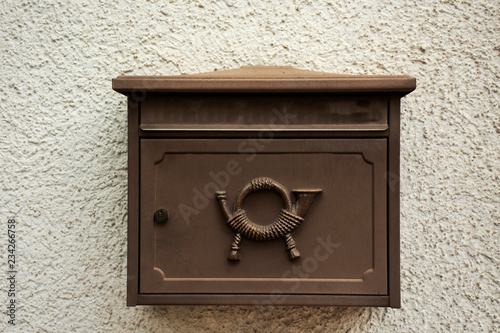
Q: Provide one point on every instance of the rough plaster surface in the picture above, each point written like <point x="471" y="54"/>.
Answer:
<point x="63" y="149"/>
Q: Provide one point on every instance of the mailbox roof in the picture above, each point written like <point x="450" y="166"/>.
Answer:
<point x="255" y="79"/>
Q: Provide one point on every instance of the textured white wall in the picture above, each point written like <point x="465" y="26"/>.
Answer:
<point x="63" y="149"/>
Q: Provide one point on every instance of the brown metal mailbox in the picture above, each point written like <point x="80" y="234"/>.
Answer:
<point x="264" y="185"/>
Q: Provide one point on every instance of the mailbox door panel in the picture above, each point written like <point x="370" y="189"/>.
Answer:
<point x="342" y="239"/>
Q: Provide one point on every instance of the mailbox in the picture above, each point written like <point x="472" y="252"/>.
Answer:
<point x="264" y="185"/>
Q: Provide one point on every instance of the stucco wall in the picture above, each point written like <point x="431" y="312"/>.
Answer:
<point x="63" y="149"/>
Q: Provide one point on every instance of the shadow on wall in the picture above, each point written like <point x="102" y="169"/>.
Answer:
<point x="260" y="318"/>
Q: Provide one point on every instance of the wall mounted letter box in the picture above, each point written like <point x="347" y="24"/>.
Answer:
<point x="264" y="185"/>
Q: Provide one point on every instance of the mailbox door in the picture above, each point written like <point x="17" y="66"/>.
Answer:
<point x="342" y="239"/>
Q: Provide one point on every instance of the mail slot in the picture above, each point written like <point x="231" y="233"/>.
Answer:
<point x="264" y="185"/>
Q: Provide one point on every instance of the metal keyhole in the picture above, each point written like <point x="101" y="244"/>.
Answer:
<point x="161" y="215"/>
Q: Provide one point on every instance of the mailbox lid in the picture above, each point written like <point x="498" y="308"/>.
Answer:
<point x="343" y="239"/>
<point x="252" y="79"/>
<point x="298" y="113"/>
